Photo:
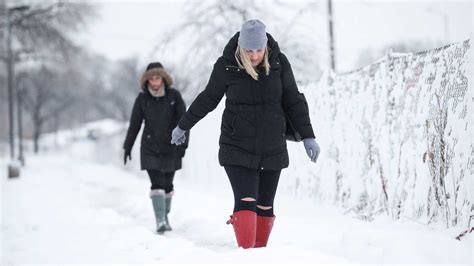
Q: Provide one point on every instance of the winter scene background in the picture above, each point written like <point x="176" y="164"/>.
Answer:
<point x="391" y="105"/>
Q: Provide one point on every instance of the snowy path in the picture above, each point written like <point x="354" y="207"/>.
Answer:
<point x="60" y="212"/>
<point x="66" y="210"/>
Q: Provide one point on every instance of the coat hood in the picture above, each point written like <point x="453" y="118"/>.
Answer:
<point x="160" y="71"/>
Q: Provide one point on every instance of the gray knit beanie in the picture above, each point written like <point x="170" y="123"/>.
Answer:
<point x="253" y="35"/>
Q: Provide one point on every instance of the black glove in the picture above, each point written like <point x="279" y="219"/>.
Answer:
<point x="126" y="154"/>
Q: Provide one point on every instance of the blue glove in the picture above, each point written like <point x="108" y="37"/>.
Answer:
<point x="177" y="136"/>
<point x="312" y="149"/>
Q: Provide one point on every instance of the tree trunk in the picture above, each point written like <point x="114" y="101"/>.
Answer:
<point x="37" y="124"/>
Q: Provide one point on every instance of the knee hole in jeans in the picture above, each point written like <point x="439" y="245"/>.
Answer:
<point x="247" y="199"/>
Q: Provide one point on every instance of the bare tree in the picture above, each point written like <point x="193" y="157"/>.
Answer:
<point x="44" y="96"/>
<point x="300" y="40"/>
<point x="207" y="25"/>
<point x="38" y="33"/>
<point x="189" y="49"/>
<point x="124" y="87"/>
<point x="45" y="26"/>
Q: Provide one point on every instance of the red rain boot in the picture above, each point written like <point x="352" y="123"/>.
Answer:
<point x="264" y="228"/>
<point x="244" y="223"/>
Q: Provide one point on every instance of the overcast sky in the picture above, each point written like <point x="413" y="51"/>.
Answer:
<point x="128" y="28"/>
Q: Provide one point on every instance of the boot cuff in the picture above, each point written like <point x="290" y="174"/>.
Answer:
<point x="156" y="192"/>
<point x="169" y="195"/>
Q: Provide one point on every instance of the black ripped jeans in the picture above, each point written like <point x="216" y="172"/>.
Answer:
<point x="260" y="185"/>
<point x="161" y="180"/>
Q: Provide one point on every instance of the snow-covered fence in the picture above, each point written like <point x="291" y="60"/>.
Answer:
<point x="397" y="136"/>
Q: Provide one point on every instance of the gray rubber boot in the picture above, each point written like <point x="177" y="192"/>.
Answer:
<point x="159" y="206"/>
<point x="168" y="197"/>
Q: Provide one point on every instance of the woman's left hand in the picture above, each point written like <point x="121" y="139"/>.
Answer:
<point x="312" y="149"/>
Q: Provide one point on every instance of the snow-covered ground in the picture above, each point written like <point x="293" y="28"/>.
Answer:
<point x="79" y="205"/>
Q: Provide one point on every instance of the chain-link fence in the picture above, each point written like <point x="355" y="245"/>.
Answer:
<point x="397" y="136"/>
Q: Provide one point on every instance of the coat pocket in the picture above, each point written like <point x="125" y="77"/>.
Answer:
<point x="242" y="127"/>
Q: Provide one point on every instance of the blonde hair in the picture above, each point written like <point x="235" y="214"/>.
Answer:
<point x="244" y="62"/>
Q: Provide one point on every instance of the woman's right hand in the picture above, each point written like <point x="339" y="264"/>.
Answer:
<point x="177" y="136"/>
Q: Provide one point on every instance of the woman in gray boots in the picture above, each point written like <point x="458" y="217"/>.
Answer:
<point x="260" y="92"/>
<point x="160" y="107"/>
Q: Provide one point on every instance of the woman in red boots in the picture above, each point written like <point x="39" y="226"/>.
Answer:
<point x="260" y="89"/>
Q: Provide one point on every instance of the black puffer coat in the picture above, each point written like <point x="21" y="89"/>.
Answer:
<point x="253" y="122"/>
<point x="161" y="115"/>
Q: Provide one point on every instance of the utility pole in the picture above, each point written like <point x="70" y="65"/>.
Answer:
<point x="19" y="105"/>
<point x="10" y="60"/>
<point x="444" y="17"/>
<point x="10" y="73"/>
<point x="331" y="36"/>
<point x="13" y="168"/>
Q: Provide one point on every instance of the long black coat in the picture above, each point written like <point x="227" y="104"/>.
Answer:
<point x="161" y="117"/>
<point x="253" y="122"/>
